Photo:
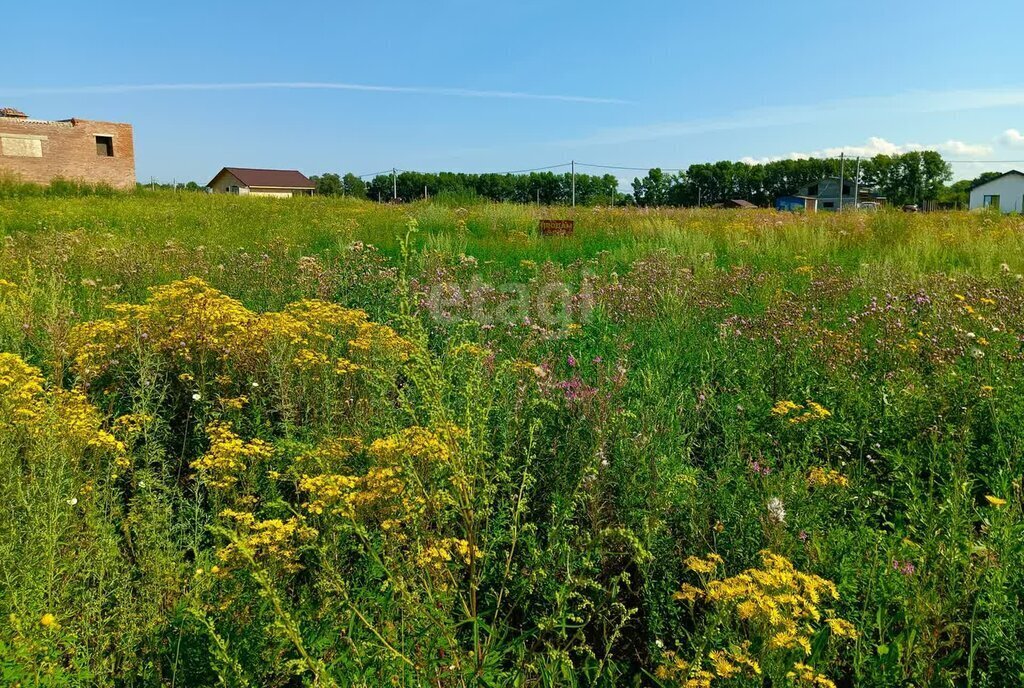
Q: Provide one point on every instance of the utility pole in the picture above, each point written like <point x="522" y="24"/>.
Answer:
<point x="538" y="197"/>
<point x="424" y="192"/>
<point x="856" y="186"/>
<point x="573" y="183"/>
<point x="394" y="184"/>
<point x="842" y="170"/>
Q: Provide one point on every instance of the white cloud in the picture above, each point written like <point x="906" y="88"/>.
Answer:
<point x="751" y="160"/>
<point x="876" y="145"/>
<point x="953" y="147"/>
<point x="915" y="102"/>
<point x="301" y="85"/>
<point x="1012" y="137"/>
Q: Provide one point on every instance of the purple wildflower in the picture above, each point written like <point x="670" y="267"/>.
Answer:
<point x="904" y="567"/>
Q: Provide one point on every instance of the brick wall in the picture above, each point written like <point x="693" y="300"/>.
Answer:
<point x="41" y="151"/>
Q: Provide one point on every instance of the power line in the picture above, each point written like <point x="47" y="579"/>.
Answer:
<point x="538" y="169"/>
<point x="532" y="169"/>
<point x="635" y="169"/>
<point x="373" y="174"/>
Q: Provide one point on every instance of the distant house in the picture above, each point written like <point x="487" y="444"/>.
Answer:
<point x="807" y="204"/>
<point x="247" y="181"/>
<point x="738" y="203"/>
<point x="829" y="196"/>
<point x="828" y="193"/>
<point x="1004" y="193"/>
<point x="41" y="150"/>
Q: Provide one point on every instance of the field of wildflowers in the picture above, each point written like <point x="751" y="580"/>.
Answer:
<point x="248" y="442"/>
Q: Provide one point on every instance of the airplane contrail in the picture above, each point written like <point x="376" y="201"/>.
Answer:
<point x="301" y="85"/>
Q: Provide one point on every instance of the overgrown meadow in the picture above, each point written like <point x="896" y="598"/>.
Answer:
<point x="248" y="442"/>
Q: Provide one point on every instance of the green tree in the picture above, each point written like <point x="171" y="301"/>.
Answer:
<point x="328" y="184"/>
<point x="652" y="190"/>
<point x="935" y="172"/>
<point x="353" y="186"/>
<point x="908" y="178"/>
<point x="957" y="195"/>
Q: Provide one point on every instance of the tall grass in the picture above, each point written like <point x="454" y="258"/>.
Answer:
<point x="323" y="442"/>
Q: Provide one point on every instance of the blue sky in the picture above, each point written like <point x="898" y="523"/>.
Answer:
<point x="478" y="86"/>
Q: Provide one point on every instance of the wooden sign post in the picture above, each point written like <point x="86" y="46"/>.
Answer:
<point x="555" y="227"/>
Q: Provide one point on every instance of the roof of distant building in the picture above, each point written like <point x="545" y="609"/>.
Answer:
<point x="1004" y="174"/>
<point x="277" y="179"/>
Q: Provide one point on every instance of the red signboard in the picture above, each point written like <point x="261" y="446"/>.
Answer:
<point x="548" y="227"/>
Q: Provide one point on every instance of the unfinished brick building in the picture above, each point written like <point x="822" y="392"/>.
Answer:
<point x="39" y="151"/>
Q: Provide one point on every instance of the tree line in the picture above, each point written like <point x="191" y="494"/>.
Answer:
<point x="914" y="177"/>
<point x="544" y="187"/>
<point x="908" y="178"/>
